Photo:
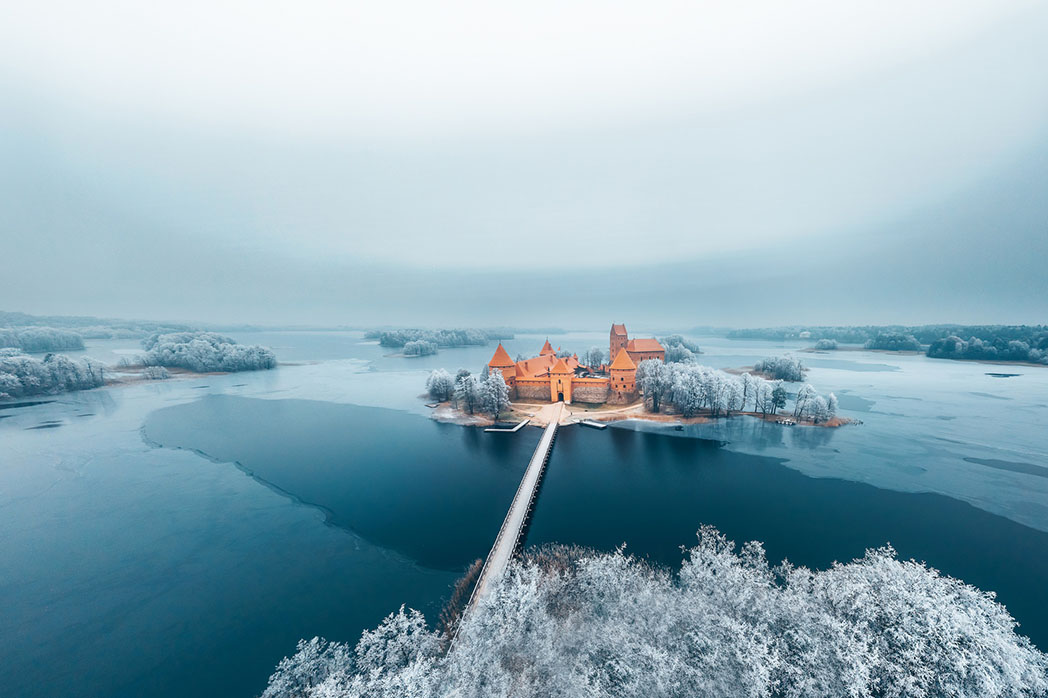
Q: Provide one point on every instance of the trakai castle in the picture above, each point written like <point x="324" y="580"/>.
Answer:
<point x="553" y="378"/>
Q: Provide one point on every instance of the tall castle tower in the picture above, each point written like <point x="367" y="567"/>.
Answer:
<point x="617" y="341"/>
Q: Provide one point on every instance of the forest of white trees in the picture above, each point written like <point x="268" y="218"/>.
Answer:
<point x="471" y="393"/>
<point x="205" y="351"/>
<point x="22" y="376"/>
<point x="33" y="340"/>
<point x="576" y="623"/>
<point x="690" y="388"/>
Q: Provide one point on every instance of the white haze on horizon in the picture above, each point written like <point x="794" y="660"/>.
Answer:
<point x="323" y="161"/>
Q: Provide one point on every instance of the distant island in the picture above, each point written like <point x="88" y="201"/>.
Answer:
<point x="636" y="379"/>
<point x="195" y="351"/>
<point x="1027" y="344"/>
<point x="423" y="342"/>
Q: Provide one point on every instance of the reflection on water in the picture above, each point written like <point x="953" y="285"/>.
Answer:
<point x="434" y="492"/>
<point x="438" y="492"/>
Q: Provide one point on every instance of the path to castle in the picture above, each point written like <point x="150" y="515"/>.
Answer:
<point x="513" y="526"/>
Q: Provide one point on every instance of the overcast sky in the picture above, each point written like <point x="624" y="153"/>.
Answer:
<point x="688" y="163"/>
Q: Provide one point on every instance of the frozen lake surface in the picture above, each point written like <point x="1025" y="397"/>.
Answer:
<point x="177" y="538"/>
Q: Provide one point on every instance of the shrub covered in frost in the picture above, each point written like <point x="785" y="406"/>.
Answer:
<point x="726" y="625"/>
<point x="155" y="373"/>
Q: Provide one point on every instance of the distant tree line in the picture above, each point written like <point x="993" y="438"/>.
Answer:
<point x="440" y="338"/>
<point x="1034" y="350"/>
<point x="205" y="351"/>
<point x="90" y="327"/>
<point x="893" y="341"/>
<point x="1027" y="343"/>
<point x="35" y="340"/>
<point x="22" y="376"/>
<point x="925" y="334"/>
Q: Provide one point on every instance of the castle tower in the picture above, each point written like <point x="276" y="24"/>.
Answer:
<point x="560" y="382"/>
<point x="502" y="362"/>
<point x="546" y="349"/>
<point x="617" y="341"/>
<point x="623" y="379"/>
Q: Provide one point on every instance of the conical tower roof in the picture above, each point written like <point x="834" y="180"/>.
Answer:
<point x="501" y="358"/>
<point x="623" y="362"/>
<point x="560" y="367"/>
<point x="546" y="349"/>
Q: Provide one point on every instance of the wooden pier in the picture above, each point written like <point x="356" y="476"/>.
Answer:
<point x="509" y="430"/>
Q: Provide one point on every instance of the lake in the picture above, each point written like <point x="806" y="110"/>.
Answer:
<point x="178" y="537"/>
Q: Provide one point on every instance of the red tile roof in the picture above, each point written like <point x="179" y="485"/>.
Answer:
<point x="644" y="345"/>
<point x="501" y="358"/>
<point x="561" y="367"/>
<point x="623" y="362"/>
<point x="618" y="329"/>
<point x="546" y="349"/>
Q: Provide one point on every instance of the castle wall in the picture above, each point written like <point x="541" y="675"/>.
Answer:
<point x="589" y="391"/>
<point x="621" y="397"/>
<point x="533" y="389"/>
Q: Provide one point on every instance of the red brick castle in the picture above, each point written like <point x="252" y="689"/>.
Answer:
<point x="553" y="378"/>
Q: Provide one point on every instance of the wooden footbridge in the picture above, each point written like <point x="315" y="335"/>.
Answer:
<point x="511" y="535"/>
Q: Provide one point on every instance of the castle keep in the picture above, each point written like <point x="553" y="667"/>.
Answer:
<point x="559" y="378"/>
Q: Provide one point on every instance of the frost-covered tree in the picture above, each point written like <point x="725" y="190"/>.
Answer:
<point x="594" y="358"/>
<point x="802" y="404"/>
<point x="653" y="380"/>
<point x="495" y="393"/>
<point x="785" y="368"/>
<point x="567" y="622"/>
<point x="679" y="354"/>
<point x="676" y="340"/>
<point x="440" y="385"/>
<point x="826" y="344"/>
<point x="469" y="393"/>
<point x="764" y="397"/>
<point x="419" y="347"/>
<point x="778" y="398"/>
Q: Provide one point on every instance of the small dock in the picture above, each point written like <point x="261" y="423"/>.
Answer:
<point x="591" y="423"/>
<point x="511" y="535"/>
<point x="509" y="430"/>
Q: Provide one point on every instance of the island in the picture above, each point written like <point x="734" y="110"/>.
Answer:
<point x="636" y="381"/>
